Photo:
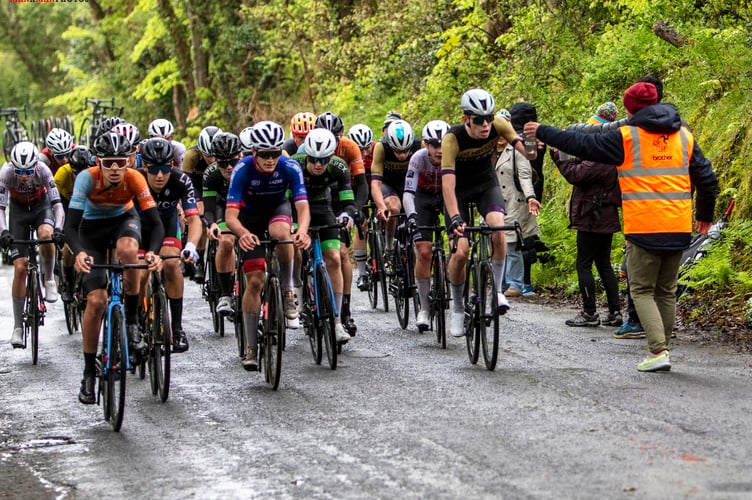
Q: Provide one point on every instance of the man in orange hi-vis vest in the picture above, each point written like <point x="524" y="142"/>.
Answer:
<point x="658" y="163"/>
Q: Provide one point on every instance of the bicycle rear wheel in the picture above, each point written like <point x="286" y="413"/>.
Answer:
<point x="274" y="331"/>
<point x="237" y="298"/>
<point x="326" y="315"/>
<point x="160" y="350"/>
<point x="472" y="313"/>
<point x="489" y="320"/>
<point x="439" y="297"/>
<point x="372" y="271"/>
<point x="380" y="272"/>
<point x="310" y="319"/>
<point x="33" y="315"/>
<point x="118" y="363"/>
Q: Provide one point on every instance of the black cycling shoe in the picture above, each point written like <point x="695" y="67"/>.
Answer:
<point x="179" y="341"/>
<point x="136" y="342"/>
<point x="364" y="284"/>
<point x="350" y="326"/>
<point x="66" y="293"/>
<point x="86" y="393"/>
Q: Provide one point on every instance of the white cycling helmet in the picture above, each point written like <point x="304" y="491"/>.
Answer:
<point x="130" y="132"/>
<point x="59" y="141"/>
<point x="435" y="130"/>
<point x="361" y="134"/>
<point x="268" y="135"/>
<point x="205" y="138"/>
<point x="320" y="143"/>
<point x="161" y="128"/>
<point x="246" y="142"/>
<point x="399" y="135"/>
<point x="477" y="102"/>
<point x="24" y="155"/>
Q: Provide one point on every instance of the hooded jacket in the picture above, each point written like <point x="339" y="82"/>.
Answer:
<point x="608" y="148"/>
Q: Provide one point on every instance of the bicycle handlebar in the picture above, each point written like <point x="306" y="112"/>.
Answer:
<point x="316" y="229"/>
<point x="13" y="111"/>
<point x="32" y="242"/>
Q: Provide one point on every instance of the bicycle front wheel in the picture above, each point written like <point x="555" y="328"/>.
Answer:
<point x="162" y="346"/>
<point x="380" y="271"/>
<point x="326" y="315"/>
<point x="489" y="318"/>
<point x="372" y="272"/>
<point x="33" y="315"/>
<point x="274" y="331"/>
<point x="118" y="368"/>
<point x="310" y="318"/>
<point x="237" y="302"/>
<point x="472" y="313"/>
<point x="439" y="297"/>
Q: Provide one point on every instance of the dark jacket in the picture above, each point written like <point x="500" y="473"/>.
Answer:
<point x="594" y="205"/>
<point x="608" y="148"/>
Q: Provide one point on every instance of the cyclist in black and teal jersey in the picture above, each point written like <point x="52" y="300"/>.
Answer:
<point x="170" y="187"/>
<point x="326" y="177"/>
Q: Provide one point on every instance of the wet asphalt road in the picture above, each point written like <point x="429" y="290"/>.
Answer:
<point x="565" y="415"/>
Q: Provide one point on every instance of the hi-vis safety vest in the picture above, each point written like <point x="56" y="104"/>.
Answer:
<point x="654" y="180"/>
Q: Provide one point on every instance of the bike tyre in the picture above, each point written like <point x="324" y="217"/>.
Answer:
<point x="472" y="314"/>
<point x="274" y="331"/>
<point x="118" y="369"/>
<point x="489" y="321"/>
<point x="326" y="316"/>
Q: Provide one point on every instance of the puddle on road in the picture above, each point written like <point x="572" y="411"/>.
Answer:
<point x="363" y="353"/>
<point x="46" y="442"/>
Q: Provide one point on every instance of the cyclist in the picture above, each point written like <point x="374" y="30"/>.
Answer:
<point x="349" y="151"/>
<point x="246" y="144"/>
<point x="300" y="125"/>
<point x="216" y="183"/>
<point x="169" y="187"/>
<point x="58" y="146"/>
<point x="325" y="176"/>
<point x="27" y="187"/>
<point x="80" y="159"/>
<point x="257" y="202"/>
<point x="163" y="128"/>
<point x="362" y="135"/>
<point x="195" y="162"/>
<point x="468" y="174"/>
<point x="391" y="157"/>
<point x="101" y="216"/>
<point x="423" y="203"/>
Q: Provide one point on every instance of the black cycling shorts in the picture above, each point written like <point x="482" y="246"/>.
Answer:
<point x="258" y="224"/>
<point x="23" y="220"/>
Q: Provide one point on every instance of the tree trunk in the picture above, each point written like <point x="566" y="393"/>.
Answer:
<point x="671" y="35"/>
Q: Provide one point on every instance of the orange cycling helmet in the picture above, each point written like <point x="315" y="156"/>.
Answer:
<point x="302" y="123"/>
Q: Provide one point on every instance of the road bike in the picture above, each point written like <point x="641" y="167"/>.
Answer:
<point x="319" y="306"/>
<point x="158" y="335"/>
<point x="271" y="336"/>
<point x="15" y="130"/>
<point x="210" y="287"/>
<point x="113" y="362"/>
<point x="101" y="109"/>
<point x="402" y="277"/>
<point x="439" y="295"/>
<point x="375" y="264"/>
<point x="480" y="294"/>
<point x="34" y="306"/>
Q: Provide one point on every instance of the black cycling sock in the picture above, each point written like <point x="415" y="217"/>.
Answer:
<point x="131" y="309"/>
<point x="176" y="311"/>
<point x="225" y="284"/>
<point x="90" y="363"/>
<point x="69" y="274"/>
<point x="345" y="306"/>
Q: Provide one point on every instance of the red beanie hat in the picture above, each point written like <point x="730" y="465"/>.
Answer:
<point x="640" y="95"/>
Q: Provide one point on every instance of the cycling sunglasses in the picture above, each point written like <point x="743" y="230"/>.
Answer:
<point x="314" y="160"/>
<point x="156" y="169"/>
<point x="62" y="156"/>
<point x="225" y="163"/>
<point x="269" y="154"/>
<point x="116" y="163"/>
<point x="24" y="171"/>
<point x="481" y="119"/>
<point x="433" y="142"/>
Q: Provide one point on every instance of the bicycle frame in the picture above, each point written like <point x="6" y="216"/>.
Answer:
<point x="318" y="258"/>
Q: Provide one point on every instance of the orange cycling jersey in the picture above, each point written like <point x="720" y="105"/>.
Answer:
<point x="349" y="151"/>
<point x="99" y="201"/>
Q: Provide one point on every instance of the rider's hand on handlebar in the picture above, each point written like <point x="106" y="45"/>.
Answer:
<point x="153" y="260"/>
<point x="248" y="241"/>
<point x="382" y="214"/>
<point x="412" y="224"/>
<point x="189" y="253"/>
<point x="302" y="240"/>
<point x="83" y="262"/>
<point x="6" y="239"/>
<point x="214" y="231"/>
<point x="457" y="225"/>
<point x="345" y="219"/>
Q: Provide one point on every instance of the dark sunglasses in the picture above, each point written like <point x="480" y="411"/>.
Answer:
<point x="323" y="161"/>
<point x="225" y="163"/>
<point x="62" y="156"/>
<point x="156" y="169"/>
<point x="269" y="155"/>
<point x="481" y="119"/>
<point x="113" y="163"/>
<point x="434" y="142"/>
<point x="24" y="171"/>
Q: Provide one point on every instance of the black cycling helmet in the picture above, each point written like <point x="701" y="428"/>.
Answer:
<point x="157" y="151"/>
<point x="111" y="144"/>
<point x="225" y="146"/>
<point x="331" y="122"/>
<point x="79" y="159"/>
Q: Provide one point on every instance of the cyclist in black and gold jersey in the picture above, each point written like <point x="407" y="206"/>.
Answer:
<point x="468" y="175"/>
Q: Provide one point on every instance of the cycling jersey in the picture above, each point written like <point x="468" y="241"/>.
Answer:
<point x="470" y="159"/>
<point x="252" y="191"/>
<point x="178" y="189"/>
<point x="194" y="165"/>
<point x="179" y="151"/>
<point x="38" y="190"/>
<point x="64" y="180"/>
<point x="48" y="158"/>
<point x="423" y="174"/>
<point x="215" y="195"/>
<point x="100" y="202"/>
<point x="387" y="168"/>
<point x="319" y="187"/>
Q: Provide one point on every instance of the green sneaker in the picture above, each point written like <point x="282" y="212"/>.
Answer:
<point x="655" y="362"/>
